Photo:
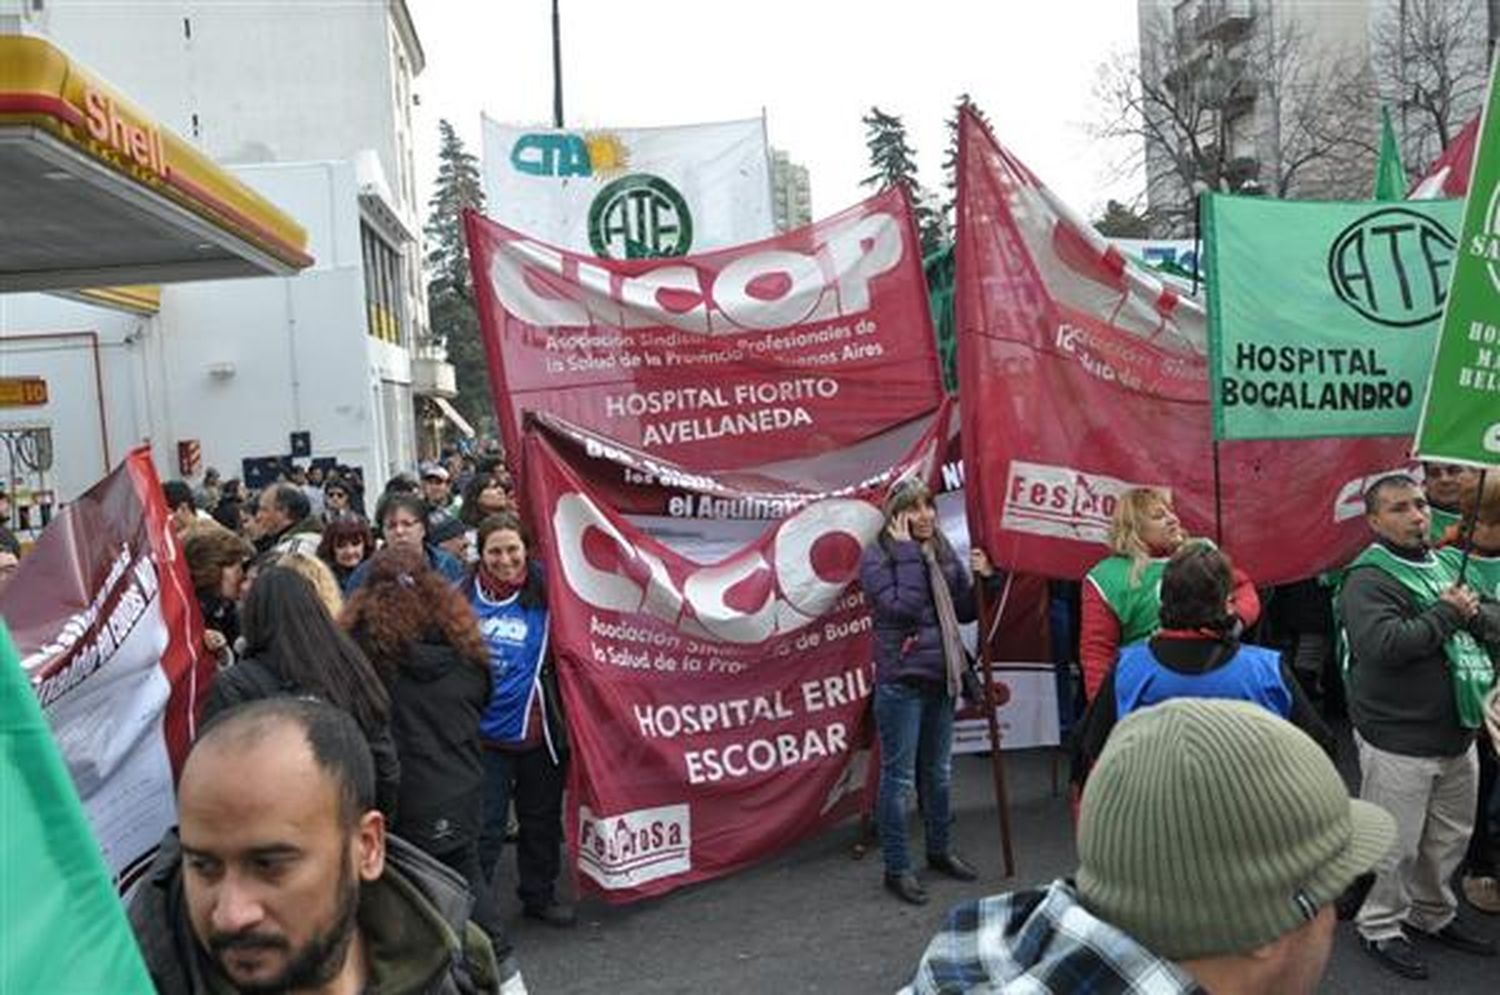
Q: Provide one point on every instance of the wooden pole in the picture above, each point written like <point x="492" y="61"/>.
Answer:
<point x="997" y="762"/>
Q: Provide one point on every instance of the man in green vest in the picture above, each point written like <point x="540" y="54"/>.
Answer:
<point x="1420" y="648"/>
<point x="1444" y="484"/>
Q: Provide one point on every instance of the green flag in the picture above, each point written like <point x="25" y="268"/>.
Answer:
<point x="1322" y="315"/>
<point x="64" y="931"/>
<point x="1390" y="177"/>
<point x="1461" y="416"/>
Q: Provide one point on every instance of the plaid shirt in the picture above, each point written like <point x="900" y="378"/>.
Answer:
<point x="1041" y="942"/>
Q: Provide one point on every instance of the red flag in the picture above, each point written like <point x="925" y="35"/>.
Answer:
<point x="718" y="702"/>
<point x="1082" y="374"/>
<point x="104" y="616"/>
<point x="803" y="343"/>
<point x="1448" y="176"/>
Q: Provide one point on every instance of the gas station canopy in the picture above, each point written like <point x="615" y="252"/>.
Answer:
<point x="93" y="192"/>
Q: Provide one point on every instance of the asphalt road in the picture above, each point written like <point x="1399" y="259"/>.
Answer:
<point x="817" y="920"/>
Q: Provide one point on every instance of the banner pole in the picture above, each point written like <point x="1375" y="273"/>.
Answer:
<point x="997" y="763"/>
<point x="1218" y="499"/>
<point x="1466" y="529"/>
<point x="557" y="93"/>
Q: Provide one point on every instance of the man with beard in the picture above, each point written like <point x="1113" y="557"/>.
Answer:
<point x="1420" y="647"/>
<point x="281" y="877"/>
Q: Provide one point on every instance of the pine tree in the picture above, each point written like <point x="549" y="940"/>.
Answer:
<point x="895" y="164"/>
<point x="450" y="293"/>
<point x="950" y="155"/>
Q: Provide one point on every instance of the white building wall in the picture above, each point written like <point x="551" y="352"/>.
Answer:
<point x="301" y="356"/>
<point x="55" y="339"/>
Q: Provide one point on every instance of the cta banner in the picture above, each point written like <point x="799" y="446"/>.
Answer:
<point x="1323" y="315"/>
<point x="631" y="193"/>
<point x="798" y="345"/>
<point x="718" y="708"/>
<point x="1461" y="416"/>
<point x="72" y="935"/>
<point x="1082" y="374"/>
<point x="104" y="617"/>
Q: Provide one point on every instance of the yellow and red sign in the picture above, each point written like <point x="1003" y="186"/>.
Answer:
<point x="22" y="392"/>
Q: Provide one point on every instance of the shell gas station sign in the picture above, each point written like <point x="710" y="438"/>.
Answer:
<point x="97" y="193"/>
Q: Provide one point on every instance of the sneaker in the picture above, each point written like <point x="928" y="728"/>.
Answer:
<point x="1396" y="955"/>
<point x="554" y="913"/>
<point x="952" y="865"/>
<point x="1482" y="893"/>
<point x="1457" y="938"/>
<point x="906" y="887"/>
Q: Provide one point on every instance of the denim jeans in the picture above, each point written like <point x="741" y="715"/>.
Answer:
<point x="535" y="783"/>
<point x="916" y="741"/>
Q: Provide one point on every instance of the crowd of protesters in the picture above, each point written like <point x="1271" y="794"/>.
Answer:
<point x="425" y="626"/>
<point x="402" y="662"/>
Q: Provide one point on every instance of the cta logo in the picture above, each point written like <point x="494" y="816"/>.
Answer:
<point x="1391" y="267"/>
<point x="550" y="153"/>
<point x="1060" y="502"/>
<point x="640" y="216"/>
<point x="632" y="848"/>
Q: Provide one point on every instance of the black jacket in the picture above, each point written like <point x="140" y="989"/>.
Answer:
<point x="255" y="678"/>
<point x="419" y="937"/>
<point x="437" y="697"/>
<point x="1401" y="697"/>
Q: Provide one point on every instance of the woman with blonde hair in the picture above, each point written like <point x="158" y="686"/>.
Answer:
<point x="318" y="574"/>
<point x="1122" y="593"/>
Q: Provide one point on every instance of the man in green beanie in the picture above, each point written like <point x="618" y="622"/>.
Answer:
<point x="1421" y="646"/>
<point x="1213" y="839"/>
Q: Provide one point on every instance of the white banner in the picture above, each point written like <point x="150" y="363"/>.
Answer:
<point x="627" y="193"/>
<point x="1028" y="719"/>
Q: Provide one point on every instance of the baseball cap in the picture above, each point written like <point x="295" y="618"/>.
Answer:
<point x="434" y="470"/>
<point x="1213" y="827"/>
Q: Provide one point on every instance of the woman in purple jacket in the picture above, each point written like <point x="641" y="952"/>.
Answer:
<point x="918" y="592"/>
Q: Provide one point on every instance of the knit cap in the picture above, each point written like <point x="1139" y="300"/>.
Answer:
<point x="1214" y="827"/>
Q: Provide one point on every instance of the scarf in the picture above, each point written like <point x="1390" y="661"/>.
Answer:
<point x="492" y="588"/>
<point x="942" y="600"/>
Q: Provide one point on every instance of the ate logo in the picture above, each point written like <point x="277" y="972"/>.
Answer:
<point x="640" y="216"/>
<point x="1391" y="266"/>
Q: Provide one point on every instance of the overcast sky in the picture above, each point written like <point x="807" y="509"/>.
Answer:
<point x="815" y="66"/>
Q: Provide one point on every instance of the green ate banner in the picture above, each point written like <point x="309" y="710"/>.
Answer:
<point x="1322" y="315"/>
<point x="1461" y="415"/>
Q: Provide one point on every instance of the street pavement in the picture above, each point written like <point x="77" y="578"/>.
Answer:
<point x="817" y="920"/>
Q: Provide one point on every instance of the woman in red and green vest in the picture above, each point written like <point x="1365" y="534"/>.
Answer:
<point x="1122" y="593"/>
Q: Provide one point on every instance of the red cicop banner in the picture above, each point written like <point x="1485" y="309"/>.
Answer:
<point x="718" y="703"/>
<point x="803" y="343"/>
<point x="1082" y="374"/>
<point x="103" y="615"/>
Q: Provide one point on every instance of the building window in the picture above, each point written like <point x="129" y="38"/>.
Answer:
<point x="385" y="304"/>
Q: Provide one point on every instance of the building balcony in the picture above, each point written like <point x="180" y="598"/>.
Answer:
<point x="1224" y="20"/>
<point x="431" y="377"/>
